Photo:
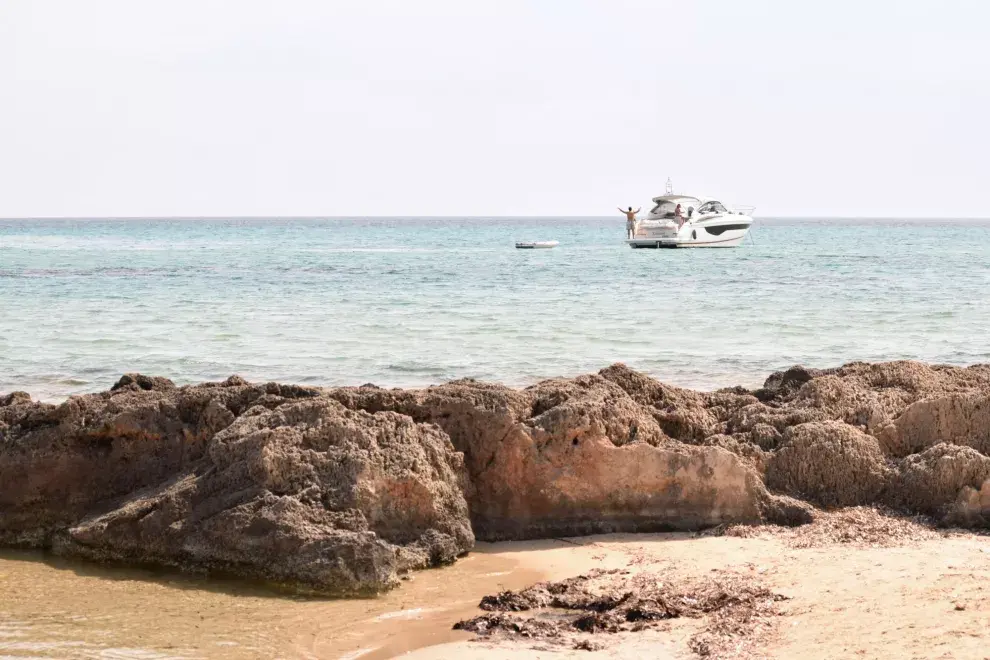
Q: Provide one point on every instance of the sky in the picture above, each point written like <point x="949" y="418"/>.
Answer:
<point x="492" y="107"/>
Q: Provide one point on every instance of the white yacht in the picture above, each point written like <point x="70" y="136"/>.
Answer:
<point x="704" y="222"/>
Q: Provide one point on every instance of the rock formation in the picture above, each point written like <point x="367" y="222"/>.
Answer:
<point x="828" y="463"/>
<point x="339" y="491"/>
<point x="272" y="482"/>
<point x="583" y="456"/>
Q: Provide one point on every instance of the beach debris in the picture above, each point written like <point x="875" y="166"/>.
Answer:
<point x="862" y="526"/>
<point x="488" y="624"/>
<point x="732" y="606"/>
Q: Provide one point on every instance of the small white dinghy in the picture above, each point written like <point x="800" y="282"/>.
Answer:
<point x="536" y="245"/>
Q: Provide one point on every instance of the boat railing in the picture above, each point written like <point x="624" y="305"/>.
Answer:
<point x="745" y="210"/>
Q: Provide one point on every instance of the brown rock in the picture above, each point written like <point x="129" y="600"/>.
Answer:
<point x="784" y="384"/>
<point x="135" y="382"/>
<point x="864" y="394"/>
<point x="931" y="482"/>
<point x="573" y="407"/>
<point x="959" y="419"/>
<point x="899" y="384"/>
<point x="971" y="508"/>
<point x="760" y="417"/>
<point x="765" y="436"/>
<point x="829" y="463"/>
<point x="340" y="490"/>
<point x="681" y="413"/>
<point x="14" y="398"/>
<point x="571" y="457"/>
<point x="308" y="495"/>
<point x="749" y="452"/>
<point x="842" y="399"/>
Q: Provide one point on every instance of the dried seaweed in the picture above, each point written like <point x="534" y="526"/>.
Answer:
<point x="733" y="606"/>
<point x="862" y="526"/>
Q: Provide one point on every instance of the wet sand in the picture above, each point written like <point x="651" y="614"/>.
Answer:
<point x="54" y="608"/>
<point x="923" y="598"/>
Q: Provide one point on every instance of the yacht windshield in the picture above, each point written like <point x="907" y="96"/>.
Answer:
<point x="663" y="208"/>
<point x="709" y="208"/>
<point x="666" y="208"/>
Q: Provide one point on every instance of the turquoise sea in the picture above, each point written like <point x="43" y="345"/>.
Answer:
<point x="415" y="301"/>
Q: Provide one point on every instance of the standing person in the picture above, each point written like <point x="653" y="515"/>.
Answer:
<point x="678" y="216"/>
<point x="630" y="222"/>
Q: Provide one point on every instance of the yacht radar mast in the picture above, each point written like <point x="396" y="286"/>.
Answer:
<point x="669" y="190"/>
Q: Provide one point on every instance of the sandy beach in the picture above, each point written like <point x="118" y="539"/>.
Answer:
<point x="858" y="586"/>
<point x="913" y="597"/>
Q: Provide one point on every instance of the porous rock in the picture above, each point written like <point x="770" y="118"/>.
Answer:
<point x="340" y="490"/>
<point x="828" y="463"/>
<point x="582" y="456"/>
<point x="932" y="481"/>
<point x="295" y="489"/>
<point x="959" y="419"/>
<point x="971" y="508"/>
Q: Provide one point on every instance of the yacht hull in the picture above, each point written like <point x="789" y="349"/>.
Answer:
<point x="657" y="243"/>
<point x="722" y="232"/>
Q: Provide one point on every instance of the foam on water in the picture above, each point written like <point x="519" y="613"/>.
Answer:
<point x="409" y="302"/>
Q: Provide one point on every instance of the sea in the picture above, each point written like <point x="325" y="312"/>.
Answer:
<point x="409" y="302"/>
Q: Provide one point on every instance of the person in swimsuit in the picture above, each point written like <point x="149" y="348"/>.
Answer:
<point x="630" y="221"/>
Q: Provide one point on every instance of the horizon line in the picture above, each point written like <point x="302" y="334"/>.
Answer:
<point x="458" y="217"/>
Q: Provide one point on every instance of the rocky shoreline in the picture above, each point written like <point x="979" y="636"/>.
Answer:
<point x="339" y="491"/>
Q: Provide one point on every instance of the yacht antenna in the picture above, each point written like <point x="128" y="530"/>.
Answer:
<point x="670" y="187"/>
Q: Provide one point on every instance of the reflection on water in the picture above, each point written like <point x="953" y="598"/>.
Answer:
<point x="56" y="609"/>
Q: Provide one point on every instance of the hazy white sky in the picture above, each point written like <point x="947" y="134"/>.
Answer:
<point x="492" y="107"/>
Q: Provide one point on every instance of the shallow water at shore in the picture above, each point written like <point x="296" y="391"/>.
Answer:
<point x="410" y="302"/>
<point x="53" y="608"/>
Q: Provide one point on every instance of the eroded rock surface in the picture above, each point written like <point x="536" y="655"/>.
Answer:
<point x="584" y="455"/>
<point x="340" y="490"/>
<point x="828" y="463"/>
<point x="270" y="482"/>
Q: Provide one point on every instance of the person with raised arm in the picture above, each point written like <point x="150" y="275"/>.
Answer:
<point x="630" y="221"/>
